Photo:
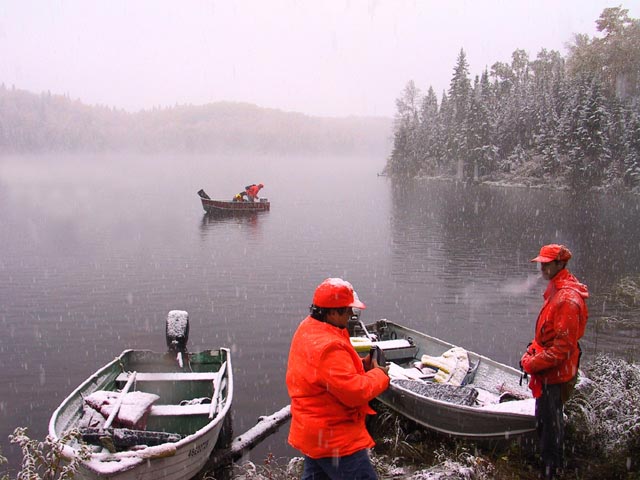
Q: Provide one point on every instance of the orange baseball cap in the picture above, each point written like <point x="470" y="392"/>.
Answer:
<point x="552" y="252"/>
<point x="336" y="293"/>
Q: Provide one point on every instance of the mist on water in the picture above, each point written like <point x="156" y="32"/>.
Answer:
<point x="99" y="249"/>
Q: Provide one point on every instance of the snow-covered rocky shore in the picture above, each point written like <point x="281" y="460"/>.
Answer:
<point x="603" y="439"/>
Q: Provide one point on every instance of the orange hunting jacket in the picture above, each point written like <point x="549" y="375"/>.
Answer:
<point x="330" y="392"/>
<point x="253" y="190"/>
<point x="554" y="353"/>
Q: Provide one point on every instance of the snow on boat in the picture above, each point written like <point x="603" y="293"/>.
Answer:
<point x="213" y="206"/>
<point x="150" y="416"/>
<point x="447" y="388"/>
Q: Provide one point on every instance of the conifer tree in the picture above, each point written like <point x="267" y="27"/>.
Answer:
<point x="482" y="151"/>
<point x="429" y="131"/>
<point x="574" y="120"/>
<point x="459" y="105"/>
<point x="548" y="72"/>
<point x="405" y="156"/>
<point x="631" y="149"/>
<point x="589" y="152"/>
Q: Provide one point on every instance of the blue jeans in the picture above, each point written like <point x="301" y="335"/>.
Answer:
<point x="356" y="466"/>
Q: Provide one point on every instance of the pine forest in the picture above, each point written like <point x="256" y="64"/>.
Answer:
<point x="568" y="122"/>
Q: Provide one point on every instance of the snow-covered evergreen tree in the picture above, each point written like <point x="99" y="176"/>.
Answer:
<point x="405" y="156"/>
<point x="459" y="105"/>
<point x="429" y="132"/>
<point x="589" y="155"/>
<point x="567" y="119"/>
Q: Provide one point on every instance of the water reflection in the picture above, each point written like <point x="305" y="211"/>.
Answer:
<point x="95" y="272"/>
<point x="461" y="254"/>
<point x="212" y="220"/>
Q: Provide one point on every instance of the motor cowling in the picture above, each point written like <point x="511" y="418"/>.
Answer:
<point x="203" y="194"/>
<point x="177" y="331"/>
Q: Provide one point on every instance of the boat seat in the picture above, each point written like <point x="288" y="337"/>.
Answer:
<point x="362" y="344"/>
<point x="170" y="376"/>
<point x="180" y="410"/>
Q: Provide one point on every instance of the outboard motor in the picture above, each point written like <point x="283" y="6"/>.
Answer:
<point x="203" y="194"/>
<point x="354" y="325"/>
<point x="177" y="332"/>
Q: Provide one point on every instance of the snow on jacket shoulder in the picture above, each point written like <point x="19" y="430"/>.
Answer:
<point x="330" y="392"/>
<point x="561" y="323"/>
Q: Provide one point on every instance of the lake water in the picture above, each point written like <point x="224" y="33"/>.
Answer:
<point x="95" y="251"/>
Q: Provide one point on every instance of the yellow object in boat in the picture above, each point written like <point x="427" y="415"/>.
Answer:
<point x="361" y="344"/>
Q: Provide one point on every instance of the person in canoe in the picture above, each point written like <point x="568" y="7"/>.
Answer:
<point x="252" y="191"/>
<point x="330" y="388"/>
<point x="240" y="197"/>
<point x="552" y="358"/>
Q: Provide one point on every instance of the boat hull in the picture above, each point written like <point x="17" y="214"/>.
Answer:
<point x="216" y="206"/>
<point x="491" y="421"/>
<point x="200" y="433"/>
<point x="212" y="206"/>
<point x="185" y="463"/>
<point x="456" y="420"/>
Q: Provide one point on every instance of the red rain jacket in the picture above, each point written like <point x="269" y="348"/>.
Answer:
<point x="253" y="190"/>
<point x="330" y="392"/>
<point x="554" y="353"/>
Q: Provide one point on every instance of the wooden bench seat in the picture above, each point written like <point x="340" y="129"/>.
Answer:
<point x="170" y="377"/>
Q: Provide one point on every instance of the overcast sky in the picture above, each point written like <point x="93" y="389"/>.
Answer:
<point x="319" y="57"/>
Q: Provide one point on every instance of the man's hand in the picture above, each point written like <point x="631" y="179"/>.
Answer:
<point x="366" y="363"/>
<point x="525" y="362"/>
<point x="374" y="364"/>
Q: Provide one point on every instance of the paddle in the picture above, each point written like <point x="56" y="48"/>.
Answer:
<point x="216" y="390"/>
<point x="116" y="408"/>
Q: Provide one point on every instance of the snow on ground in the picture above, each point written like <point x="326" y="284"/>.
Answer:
<point x="605" y="410"/>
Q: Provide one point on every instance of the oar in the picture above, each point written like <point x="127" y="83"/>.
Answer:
<point x="216" y="389"/>
<point x="118" y="404"/>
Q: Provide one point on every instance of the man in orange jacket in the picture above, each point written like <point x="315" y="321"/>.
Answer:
<point x="253" y="190"/>
<point x="553" y="356"/>
<point x="330" y="388"/>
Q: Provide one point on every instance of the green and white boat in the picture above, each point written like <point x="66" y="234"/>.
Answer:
<point x="147" y="415"/>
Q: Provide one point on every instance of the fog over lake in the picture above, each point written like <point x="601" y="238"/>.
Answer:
<point x="97" y="249"/>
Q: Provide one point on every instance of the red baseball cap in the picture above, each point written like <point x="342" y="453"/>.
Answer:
<point x="552" y="252"/>
<point x="336" y="293"/>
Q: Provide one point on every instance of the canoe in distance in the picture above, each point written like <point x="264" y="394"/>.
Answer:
<point x="212" y="206"/>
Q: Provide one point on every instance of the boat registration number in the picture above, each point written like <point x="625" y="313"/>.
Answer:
<point x="198" y="448"/>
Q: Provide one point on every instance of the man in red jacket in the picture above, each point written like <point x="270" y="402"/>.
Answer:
<point x="330" y="388"/>
<point x="553" y="356"/>
<point x="253" y="190"/>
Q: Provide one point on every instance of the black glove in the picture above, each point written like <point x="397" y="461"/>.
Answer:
<point x="377" y="354"/>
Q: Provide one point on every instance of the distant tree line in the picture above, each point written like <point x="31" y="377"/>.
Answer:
<point x="574" y="120"/>
<point x="32" y="123"/>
